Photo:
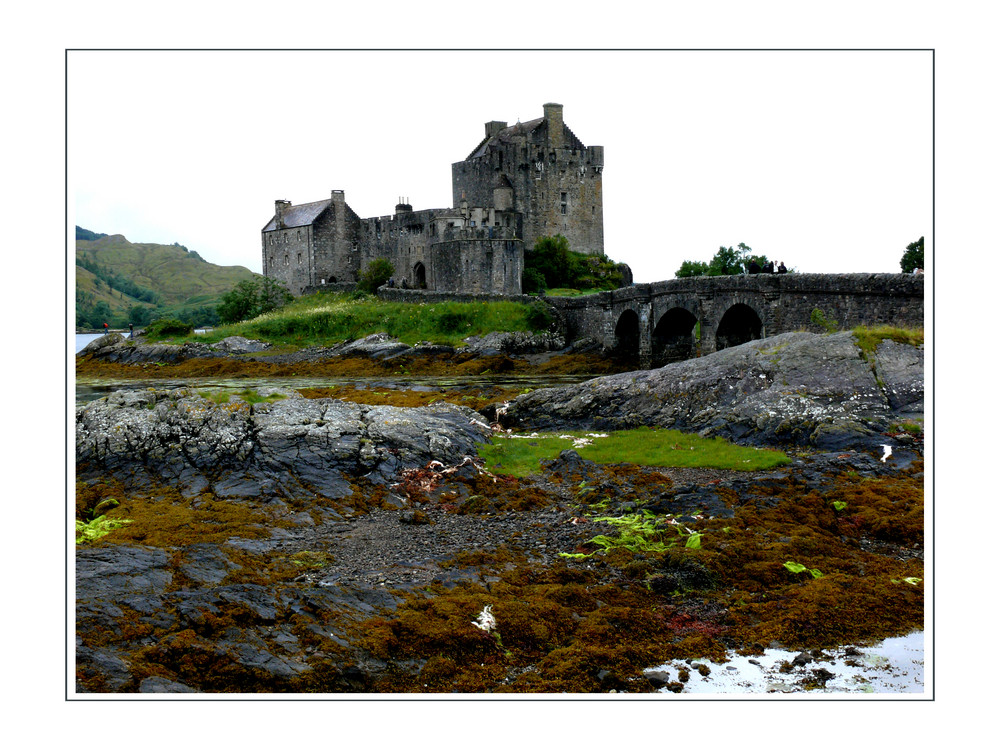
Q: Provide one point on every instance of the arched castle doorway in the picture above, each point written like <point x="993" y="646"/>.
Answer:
<point x="419" y="276"/>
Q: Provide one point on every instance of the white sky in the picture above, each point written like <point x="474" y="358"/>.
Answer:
<point x="820" y="159"/>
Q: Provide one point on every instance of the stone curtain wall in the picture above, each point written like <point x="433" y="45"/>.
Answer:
<point x="416" y="296"/>
<point x="478" y="266"/>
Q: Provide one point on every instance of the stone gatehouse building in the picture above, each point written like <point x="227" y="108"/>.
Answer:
<point x="521" y="182"/>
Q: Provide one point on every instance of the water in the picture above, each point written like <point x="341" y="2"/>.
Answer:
<point x="90" y="389"/>
<point x="82" y="339"/>
<point x="892" y="666"/>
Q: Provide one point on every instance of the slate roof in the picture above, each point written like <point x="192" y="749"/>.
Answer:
<point x="522" y="129"/>
<point x="506" y="135"/>
<point x="299" y="216"/>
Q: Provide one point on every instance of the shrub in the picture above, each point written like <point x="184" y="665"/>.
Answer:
<point x="532" y="281"/>
<point x="539" y="316"/>
<point x="165" y="327"/>
<point x="818" y="318"/>
<point x="251" y="298"/>
<point x="379" y="271"/>
<point x="454" y="320"/>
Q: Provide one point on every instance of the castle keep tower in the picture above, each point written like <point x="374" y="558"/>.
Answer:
<point x="545" y="173"/>
<point x="522" y="182"/>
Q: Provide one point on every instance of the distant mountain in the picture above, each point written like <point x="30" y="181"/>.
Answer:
<point x="118" y="282"/>
<point x="86" y="234"/>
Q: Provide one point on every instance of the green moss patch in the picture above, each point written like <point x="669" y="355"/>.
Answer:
<point x="520" y="455"/>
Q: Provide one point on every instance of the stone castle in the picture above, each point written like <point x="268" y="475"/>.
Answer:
<point x="522" y="182"/>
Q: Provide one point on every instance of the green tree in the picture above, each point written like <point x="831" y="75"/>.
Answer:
<point x="728" y="261"/>
<point x="692" y="268"/>
<point x="533" y="281"/>
<point x="913" y="258"/>
<point x="379" y="271"/>
<point x="251" y="298"/>
<point x="140" y="315"/>
<point x="551" y="258"/>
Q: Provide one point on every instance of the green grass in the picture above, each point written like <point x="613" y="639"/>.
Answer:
<point x="869" y="337"/>
<point x="324" y="319"/>
<point x="223" y="396"/>
<point x="519" y="456"/>
<point x="566" y="292"/>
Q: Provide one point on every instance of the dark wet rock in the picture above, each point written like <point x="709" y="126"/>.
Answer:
<point x="293" y="446"/>
<point x="124" y="570"/>
<point x="658" y="679"/>
<point x="206" y="564"/>
<point x="162" y="685"/>
<point x="681" y="576"/>
<point x="106" y="663"/>
<point x="796" y="388"/>
<point x="801" y="659"/>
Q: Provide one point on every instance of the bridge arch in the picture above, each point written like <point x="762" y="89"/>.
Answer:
<point x="674" y="337"/>
<point x="738" y="325"/>
<point x="627" y="336"/>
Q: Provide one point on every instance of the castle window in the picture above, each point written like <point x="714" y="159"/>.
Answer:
<point x="286" y="259"/>
<point x="300" y="259"/>
<point x="562" y="207"/>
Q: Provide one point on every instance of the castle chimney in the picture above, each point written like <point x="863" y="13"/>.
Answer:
<point x="493" y="127"/>
<point x="337" y="203"/>
<point x="279" y="212"/>
<point x="554" y="121"/>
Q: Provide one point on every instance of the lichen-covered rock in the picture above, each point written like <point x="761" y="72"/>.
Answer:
<point x="796" y="388"/>
<point x="240" y="345"/>
<point x="515" y="342"/>
<point x="115" y="348"/>
<point x="292" y="446"/>
<point x="376" y="346"/>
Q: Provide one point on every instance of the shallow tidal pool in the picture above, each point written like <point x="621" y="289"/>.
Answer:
<point x="892" y="666"/>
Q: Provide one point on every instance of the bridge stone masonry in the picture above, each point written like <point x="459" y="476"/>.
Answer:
<point x="677" y="319"/>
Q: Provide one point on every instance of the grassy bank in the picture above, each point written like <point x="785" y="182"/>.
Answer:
<point x="324" y="319"/>
<point x="519" y="455"/>
<point x="869" y="337"/>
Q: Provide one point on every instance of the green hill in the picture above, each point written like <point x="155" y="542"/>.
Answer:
<point x="119" y="282"/>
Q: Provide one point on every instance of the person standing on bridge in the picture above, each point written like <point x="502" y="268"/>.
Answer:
<point x="781" y="267"/>
<point x="754" y="268"/>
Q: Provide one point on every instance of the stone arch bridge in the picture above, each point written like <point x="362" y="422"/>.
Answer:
<point x="680" y="318"/>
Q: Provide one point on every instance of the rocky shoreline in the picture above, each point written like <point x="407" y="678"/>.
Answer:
<point x="292" y="544"/>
